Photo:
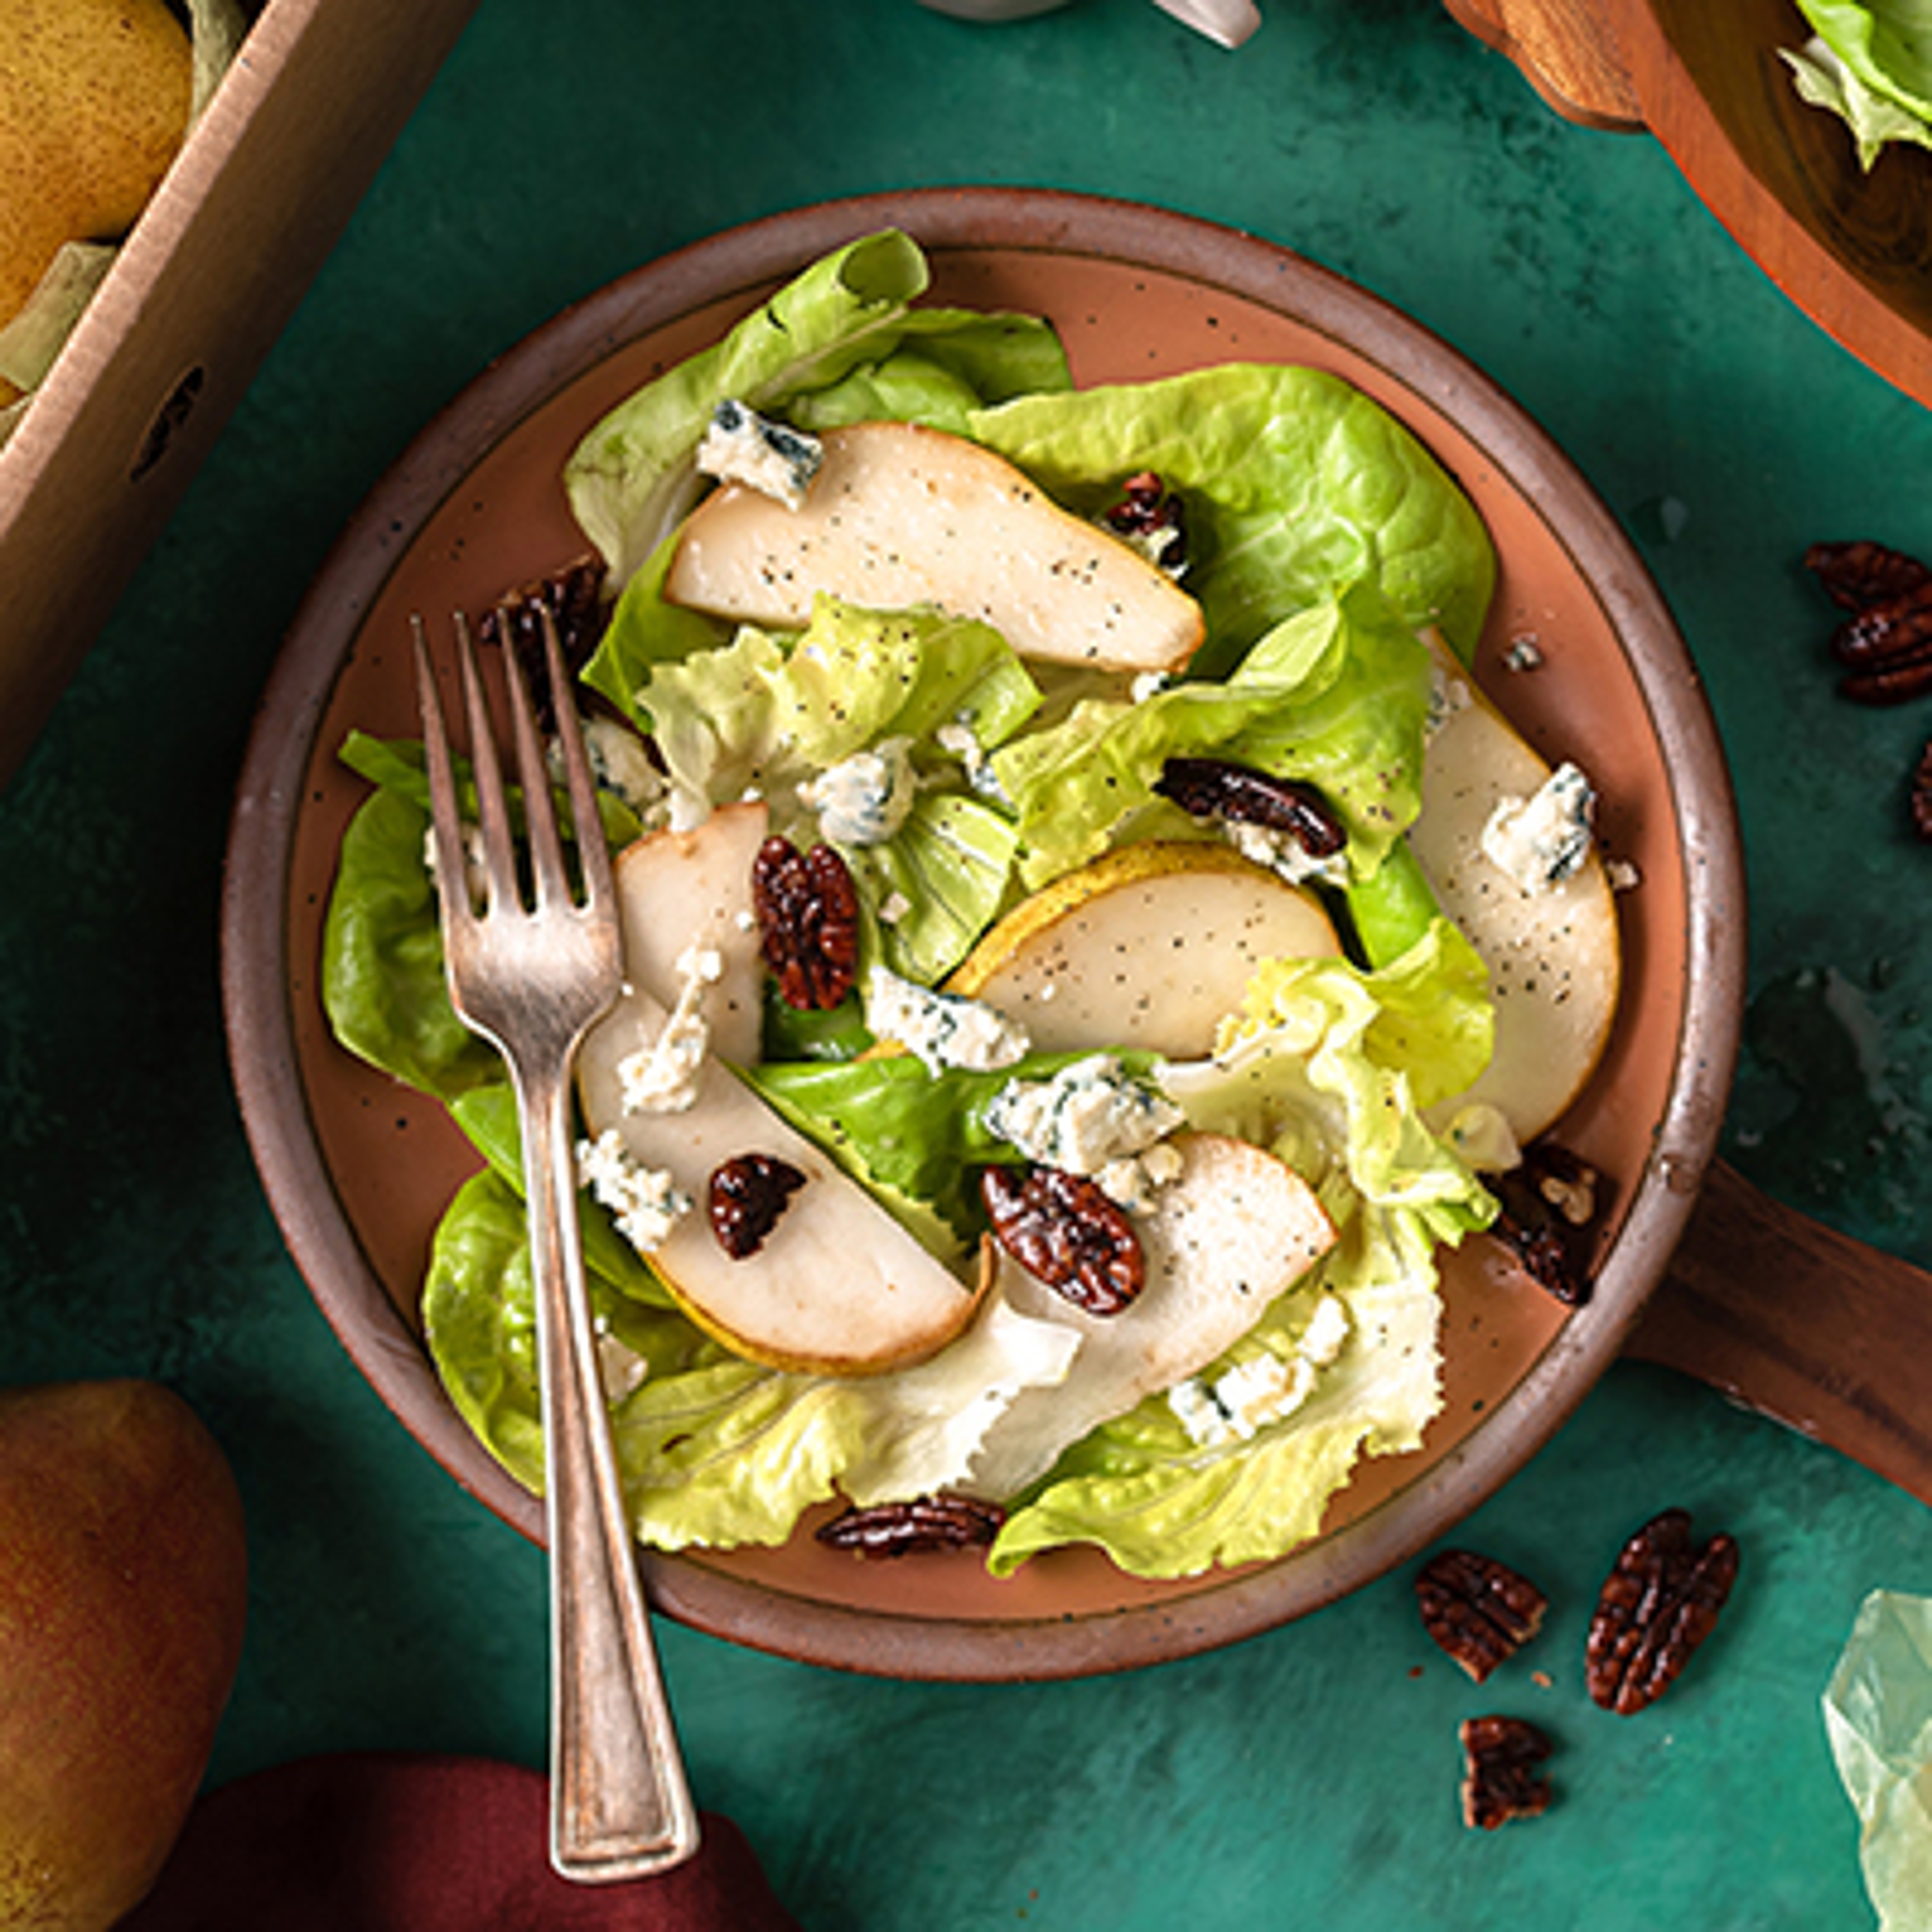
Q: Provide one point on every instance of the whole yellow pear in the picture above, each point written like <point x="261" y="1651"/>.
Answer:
<point x="123" y="1589"/>
<point x="94" y="100"/>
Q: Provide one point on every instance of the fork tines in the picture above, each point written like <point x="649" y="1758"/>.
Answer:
<point x="550" y="880"/>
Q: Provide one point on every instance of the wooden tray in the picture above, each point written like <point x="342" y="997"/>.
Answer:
<point x="1853" y="250"/>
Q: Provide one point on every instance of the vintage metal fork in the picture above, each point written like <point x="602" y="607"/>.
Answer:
<point x="531" y="978"/>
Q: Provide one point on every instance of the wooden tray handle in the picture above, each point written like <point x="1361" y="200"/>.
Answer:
<point x="1567" y="51"/>
<point x="1801" y="1324"/>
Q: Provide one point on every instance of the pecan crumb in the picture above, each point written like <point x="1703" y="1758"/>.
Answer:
<point x="1501" y="1780"/>
<point x="1478" y="1610"/>
<point x="1154" y="517"/>
<point x="908" y="1529"/>
<point x="1660" y="1602"/>
<point x="1063" y="1229"/>
<point x="1552" y="1206"/>
<point x="808" y="913"/>
<point x="745" y="1198"/>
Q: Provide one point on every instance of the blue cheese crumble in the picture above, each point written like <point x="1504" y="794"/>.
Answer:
<point x="1543" y="840"/>
<point x="864" y="799"/>
<point x="943" y="1029"/>
<point x="740" y="446"/>
<point x="662" y="1077"/>
<point x="1284" y="854"/>
<point x="646" y="1202"/>
<point x="1089" y="1116"/>
<point x="1265" y="1389"/>
<point x="961" y="741"/>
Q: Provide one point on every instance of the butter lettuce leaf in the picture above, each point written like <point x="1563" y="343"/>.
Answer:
<point x="835" y="328"/>
<point x="1295" y="482"/>
<point x="1336" y="695"/>
<point x="1886" y="46"/>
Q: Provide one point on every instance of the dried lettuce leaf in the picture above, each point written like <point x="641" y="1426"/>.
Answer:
<point x="1878" y="1713"/>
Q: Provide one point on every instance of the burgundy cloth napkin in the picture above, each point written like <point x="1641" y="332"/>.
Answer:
<point x="386" y="1842"/>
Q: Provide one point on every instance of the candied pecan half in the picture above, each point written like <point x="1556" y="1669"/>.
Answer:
<point x="1919" y="798"/>
<point x="1858" y="574"/>
<point x="1552" y="1205"/>
<point x="574" y="596"/>
<point x="744" y="1197"/>
<point x="1500" y="1779"/>
<point x="910" y="1529"/>
<point x="807" y="914"/>
<point x="1062" y="1228"/>
<point x="1220" y="788"/>
<point x="1478" y="1610"/>
<point x="1153" y="514"/>
<point x="1661" y="1601"/>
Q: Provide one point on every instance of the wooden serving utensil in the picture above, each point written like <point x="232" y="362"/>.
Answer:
<point x="1794" y="1320"/>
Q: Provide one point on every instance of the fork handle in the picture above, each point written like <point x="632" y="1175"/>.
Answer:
<point x="620" y="1806"/>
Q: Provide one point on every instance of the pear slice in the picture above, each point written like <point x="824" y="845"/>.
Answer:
<point x="1554" y="955"/>
<point x="1150" y="946"/>
<point x="900" y="515"/>
<point x="838" y="1288"/>
<point x="1236" y="1229"/>
<point x="681" y="890"/>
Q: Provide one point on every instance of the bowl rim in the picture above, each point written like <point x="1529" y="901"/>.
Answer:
<point x="256" y="980"/>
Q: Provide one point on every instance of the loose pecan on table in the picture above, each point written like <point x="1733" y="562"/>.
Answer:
<point x="1660" y="1602"/>
<point x="1918" y="798"/>
<point x="1220" y="788"/>
<point x="1063" y="1229"/>
<point x="1479" y="1611"/>
<point x="807" y="914"/>
<point x="744" y="1197"/>
<point x="1150" y="510"/>
<point x="1501" y="1781"/>
<point x="574" y="596"/>
<point x="1858" y="574"/>
<point x="1885" y="642"/>
<point x="1552" y="1205"/>
<point x="910" y="1529"/>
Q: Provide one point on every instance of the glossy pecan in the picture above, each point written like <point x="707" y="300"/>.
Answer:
<point x="808" y="913"/>
<point x="1661" y="1601"/>
<point x="910" y="1529"/>
<point x="573" y="595"/>
<point x="1501" y="1778"/>
<point x="1063" y="1229"/>
<point x="1918" y="801"/>
<point x="1479" y="1611"/>
<point x="1155" y="516"/>
<point x="1858" y="574"/>
<point x="1553" y="1206"/>
<point x="1221" y="788"/>
<point x="744" y="1197"/>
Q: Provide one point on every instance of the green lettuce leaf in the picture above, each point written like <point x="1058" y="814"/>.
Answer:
<point x="1823" y="80"/>
<point x="835" y="327"/>
<point x="1296" y="483"/>
<point x="1336" y="695"/>
<point x="1885" y="45"/>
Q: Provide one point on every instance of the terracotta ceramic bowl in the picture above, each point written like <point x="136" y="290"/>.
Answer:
<point x="357" y="1169"/>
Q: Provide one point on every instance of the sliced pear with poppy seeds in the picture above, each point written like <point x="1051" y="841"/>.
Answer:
<point x="1150" y="946"/>
<point x="900" y="515"/>
<point x="1552" y="948"/>
<point x="1235" y="1229"/>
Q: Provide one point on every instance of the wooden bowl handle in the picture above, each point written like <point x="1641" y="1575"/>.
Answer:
<point x="1567" y="52"/>
<point x="1801" y="1324"/>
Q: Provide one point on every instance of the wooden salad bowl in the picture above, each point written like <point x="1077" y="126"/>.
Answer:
<point x="1696" y="1269"/>
<point x="1853" y="249"/>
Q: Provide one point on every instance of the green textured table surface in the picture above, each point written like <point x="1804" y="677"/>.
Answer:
<point x="1307" y="1776"/>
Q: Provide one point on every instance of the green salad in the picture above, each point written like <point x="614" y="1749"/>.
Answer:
<point x="1869" y="62"/>
<point x="1325" y="549"/>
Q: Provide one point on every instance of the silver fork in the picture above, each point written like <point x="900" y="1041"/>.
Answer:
<point x="531" y="979"/>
